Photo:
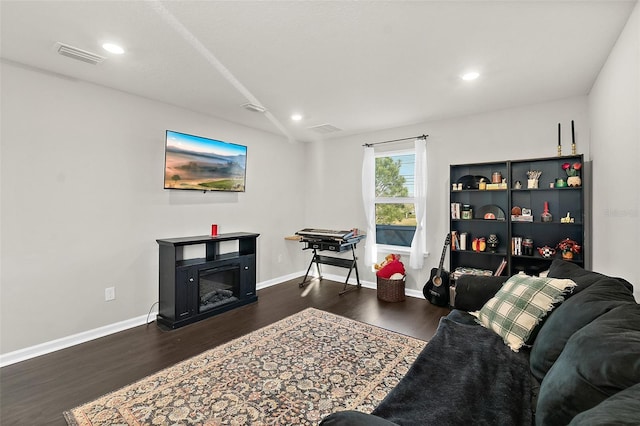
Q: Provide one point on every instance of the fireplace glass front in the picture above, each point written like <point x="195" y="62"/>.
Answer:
<point x="218" y="286"/>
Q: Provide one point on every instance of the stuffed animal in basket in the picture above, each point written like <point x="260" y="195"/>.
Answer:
<point x="390" y="266"/>
<point x="388" y="258"/>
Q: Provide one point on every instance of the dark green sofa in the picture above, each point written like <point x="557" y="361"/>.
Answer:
<point x="581" y="365"/>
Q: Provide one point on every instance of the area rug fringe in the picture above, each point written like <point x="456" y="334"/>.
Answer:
<point x="294" y="371"/>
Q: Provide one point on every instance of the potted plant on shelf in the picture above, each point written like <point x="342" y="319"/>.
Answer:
<point x="573" y="173"/>
<point x="568" y="248"/>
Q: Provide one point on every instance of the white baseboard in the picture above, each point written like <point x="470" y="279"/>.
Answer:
<point x="85" y="336"/>
<point x="75" y="339"/>
<point x="68" y="341"/>
<point x="278" y="280"/>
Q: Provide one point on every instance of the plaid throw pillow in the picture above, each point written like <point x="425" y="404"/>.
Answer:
<point x="520" y="304"/>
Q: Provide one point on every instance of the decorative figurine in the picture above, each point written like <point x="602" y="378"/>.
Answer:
<point x="546" y="251"/>
<point x="492" y="243"/>
<point x="567" y="219"/>
<point x="479" y="244"/>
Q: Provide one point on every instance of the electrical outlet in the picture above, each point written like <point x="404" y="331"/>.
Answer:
<point x="280" y="258"/>
<point x="109" y="293"/>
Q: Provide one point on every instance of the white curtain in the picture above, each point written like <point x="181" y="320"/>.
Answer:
<point x="369" y="198"/>
<point x="419" y="243"/>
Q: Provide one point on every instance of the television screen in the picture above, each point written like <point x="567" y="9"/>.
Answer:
<point x="194" y="162"/>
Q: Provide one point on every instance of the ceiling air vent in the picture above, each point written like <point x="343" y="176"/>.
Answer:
<point x="324" y="128"/>
<point x="79" y="54"/>
<point x="254" y="107"/>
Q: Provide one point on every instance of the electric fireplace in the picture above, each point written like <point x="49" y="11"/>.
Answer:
<point x="197" y="288"/>
<point x="218" y="286"/>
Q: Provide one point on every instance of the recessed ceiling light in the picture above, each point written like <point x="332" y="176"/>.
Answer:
<point x="296" y="117"/>
<point x="113" y="48"/>
<point x="472" y="75"/>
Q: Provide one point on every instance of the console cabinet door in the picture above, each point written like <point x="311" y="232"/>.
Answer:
<point x="248" y="276"/>
<point x="185" y="282"/>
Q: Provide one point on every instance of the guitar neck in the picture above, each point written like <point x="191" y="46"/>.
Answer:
<point x="444" y="252"/>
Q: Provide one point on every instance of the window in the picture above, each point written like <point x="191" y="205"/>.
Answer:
<point x="394" y="192"/>
<point x="395" y="214"/>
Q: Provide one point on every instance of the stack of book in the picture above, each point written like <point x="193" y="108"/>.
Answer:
<point x="462" y="270"/>
<point x="455" y="210"/>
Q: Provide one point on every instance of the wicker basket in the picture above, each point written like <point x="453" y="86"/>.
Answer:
<point x="390" y="290"/>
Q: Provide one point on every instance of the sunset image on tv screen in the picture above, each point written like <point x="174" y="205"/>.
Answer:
<point x="194" y="162"/>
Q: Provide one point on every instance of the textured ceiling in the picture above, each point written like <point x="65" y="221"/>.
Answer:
<point x="359" y="66"/>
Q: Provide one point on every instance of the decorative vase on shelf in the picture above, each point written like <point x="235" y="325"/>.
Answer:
<point x="568" y="248"/>
<point x="546" y="215"/>
<point x="574" y="181"/>
<point x="527" y="246"/>
<point x="573" y="173"/>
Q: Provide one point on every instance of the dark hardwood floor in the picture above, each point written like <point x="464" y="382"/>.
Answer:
<point x="37" y="391"/>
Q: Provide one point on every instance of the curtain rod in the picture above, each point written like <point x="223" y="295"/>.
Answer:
<point x="396" y="140"/>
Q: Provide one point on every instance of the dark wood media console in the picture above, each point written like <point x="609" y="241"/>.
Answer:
<point x="197" y="288"/>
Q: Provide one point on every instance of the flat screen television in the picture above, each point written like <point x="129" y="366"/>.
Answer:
<point x="203" y="164"/>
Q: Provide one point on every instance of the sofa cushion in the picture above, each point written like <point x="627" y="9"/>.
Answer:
<point x="473" y="291"/>
<point x="597" y="362"/>
<point x="519" y="305"/>
<point x="576" y="312"/>
<point x="622" y="409"/>
<point x="583" y="278"/>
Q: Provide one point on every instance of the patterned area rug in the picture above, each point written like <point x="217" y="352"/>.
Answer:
<point x="295" y="371"/>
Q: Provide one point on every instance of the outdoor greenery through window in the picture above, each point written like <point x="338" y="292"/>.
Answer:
<point x="395" y="207"/>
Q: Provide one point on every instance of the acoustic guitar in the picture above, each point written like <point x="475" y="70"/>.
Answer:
<point x="436" y="290"/>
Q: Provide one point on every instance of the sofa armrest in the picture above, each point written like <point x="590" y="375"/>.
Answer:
<point x="473" y="291"/>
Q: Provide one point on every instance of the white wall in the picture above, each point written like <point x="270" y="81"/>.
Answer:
<point x="334" y="197"/>
<point x="82" y="203"/>
<point x="614" y="109"/>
